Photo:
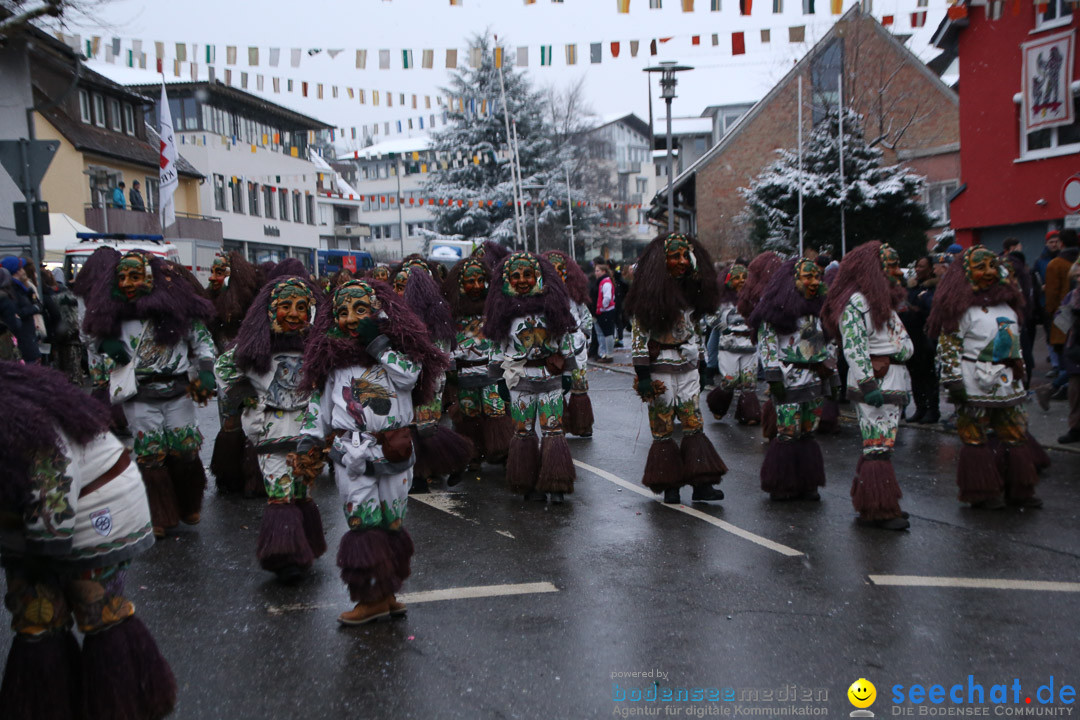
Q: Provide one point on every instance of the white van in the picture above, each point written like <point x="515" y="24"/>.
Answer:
<point x="75" y="256"/>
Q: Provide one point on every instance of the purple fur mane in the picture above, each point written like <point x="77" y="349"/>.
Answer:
<point x="256" y="342"/>
<point x="233" y="300"/>
<point x="781" y="304"/>
<point x="577" y="285"/>
<point x="407" y="334"/>
<point x="955" y="295"/>
<point x="172" y="305"/>
<point x="38" y="402"/>
<point x="500" y="310"/>
<point x="494" y="253"/>
<point x="860" y="271"/>
<point x="423" y="298"/>
<point x="759" y="271"/>
<point x="656" y="299"/>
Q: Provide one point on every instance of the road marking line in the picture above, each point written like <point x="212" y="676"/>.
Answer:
<point x="445" y="501"/>
<point x="458" y="593"/>
<point x="738" y="531"/>
<point x="449" y="502"/>
<point x="981" y="583"/>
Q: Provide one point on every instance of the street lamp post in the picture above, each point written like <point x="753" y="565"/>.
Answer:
<point x="667" y="70"/>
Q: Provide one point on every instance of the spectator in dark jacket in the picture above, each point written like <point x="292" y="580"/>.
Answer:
<point x="135" y="197"/>
<point x="924" y="379"/>
<point x="26" y="308"/>
<point x="9" y="321"/>
<point x="1014" y="253"/>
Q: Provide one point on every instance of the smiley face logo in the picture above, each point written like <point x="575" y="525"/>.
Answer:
<point x="862" y="693"/>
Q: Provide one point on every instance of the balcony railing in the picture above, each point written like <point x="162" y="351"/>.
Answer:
<point x="628" y="168"/>
<point x="133" y="222"/>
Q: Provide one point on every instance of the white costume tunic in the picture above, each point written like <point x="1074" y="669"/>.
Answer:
<point x="984" y="354"/>
<point x="736" y="354"/>
<point x="357" y="405"/>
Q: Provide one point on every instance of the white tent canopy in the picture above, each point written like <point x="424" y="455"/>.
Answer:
<point x="62" y="236"/>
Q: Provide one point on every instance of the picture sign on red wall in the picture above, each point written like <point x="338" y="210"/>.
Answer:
<point x="1047" y="81"/>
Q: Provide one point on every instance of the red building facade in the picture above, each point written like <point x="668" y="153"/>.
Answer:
<point x="1013" y="177"/>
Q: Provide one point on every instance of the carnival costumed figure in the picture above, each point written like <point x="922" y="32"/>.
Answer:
<point x="736" y="355"/>
<point x="861" y="311"/>
<point x="73" y="514"/>
<point x="477" y="408"/>
<point x="369" y="362"/>
<point x="232" y="287"/>
<point x="439" y="449"/>
<point x="528" y="316"/>
<point x="794" y="353"/>
<point x="976" y="318"/>
<point x="758" y="273"/>
<point x="260" y="380"/>
<point x="380" y="273"/>
<point x="674" y="286"/>
<point x="148" y="322"/>
<point x="578" y="415"/>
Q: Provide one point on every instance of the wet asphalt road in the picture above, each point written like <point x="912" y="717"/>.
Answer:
<point x="639" y="587"/>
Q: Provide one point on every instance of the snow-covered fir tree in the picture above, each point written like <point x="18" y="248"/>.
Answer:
<point x="881" y="202"/>
<point x="474" y="166"/>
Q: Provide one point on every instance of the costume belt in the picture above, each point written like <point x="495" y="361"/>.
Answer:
<point x="112" y="473"/>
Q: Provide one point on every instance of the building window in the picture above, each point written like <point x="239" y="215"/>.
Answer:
<point x="84" y="106"/>
<point x="268" y="201"/>
<point x="114" y="115"/>
<point x="283" y="203"/>
<point x="99" y="111"/>
<point x="129" y="119"/>
<point x="310" y="200"/>
<point x="237" y="196"/>
<point x="152" y="187"/>
<point x="297" y="215"/>
<point x="1048" y="142"/>
<point x="937" y="201"/>
<point x="825" y="71"/>
<point x="253" y="199"/>
<point x="219" y="193"/>
<point x="1058" y="13"/>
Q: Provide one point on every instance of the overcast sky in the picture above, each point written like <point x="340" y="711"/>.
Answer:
<point x="615" y="85"/>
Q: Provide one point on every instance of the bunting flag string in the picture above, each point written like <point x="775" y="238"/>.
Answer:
<point x="404" y="59"/>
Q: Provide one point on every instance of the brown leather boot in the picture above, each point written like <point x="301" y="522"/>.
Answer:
<point x="365" y="612"/>
<point x="397" y="609"/>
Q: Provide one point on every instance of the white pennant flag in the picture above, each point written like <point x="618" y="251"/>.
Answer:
<point x="167" y="179"/>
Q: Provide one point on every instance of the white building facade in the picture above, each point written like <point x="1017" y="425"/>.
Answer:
<point x="261" y="182"/>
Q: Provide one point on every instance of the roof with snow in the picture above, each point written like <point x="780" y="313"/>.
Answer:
<point x="340" y="186"/>
<point x="683" y="126"/>
<point x="419" y="143"/>
<point x="629" y="119"/>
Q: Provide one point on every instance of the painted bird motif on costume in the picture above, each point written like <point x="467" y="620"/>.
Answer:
<point x="1005" y="345"/>
<point x="366" y="392"/>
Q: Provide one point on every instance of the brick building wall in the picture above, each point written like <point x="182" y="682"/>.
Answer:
<point x="885" y="83"/>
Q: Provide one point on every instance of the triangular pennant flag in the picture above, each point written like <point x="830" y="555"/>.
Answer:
<point x="571" y="54"/>
<point x="836" y="6"/>
<point x="384" y="59"/>
<point x="634" y="48"/>
<point x="615" y="49"/>
<point x="595" y="50"/>
<point x="334" y="53"/>
<point x="695" y="39"/>
<point x="797" y="34"/>
<point x="451" y="59"/>
<point x="522" y="59"/>
<point x="475" y="57"/>
<point x="545" y="55"/>
<point x="361" y="59"/>
<point x="688" y="5"/>
<point x="275" y="56"/>
<point x="766" y="36"/>
<point x="230" y="54"/>
<point x="623" y="6"/>
<point x="652" y="47"/>
<point x="428" y="59"/>
<point x="294" y="57"/>
<point x="253" y="57"/>
<point x="406" y="59"/>
<point x="745" y="7"/>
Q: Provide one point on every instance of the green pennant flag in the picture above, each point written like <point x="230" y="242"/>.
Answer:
<point x="545" y="54"/>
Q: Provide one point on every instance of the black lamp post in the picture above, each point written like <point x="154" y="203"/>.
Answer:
<point x="667" y="72"/>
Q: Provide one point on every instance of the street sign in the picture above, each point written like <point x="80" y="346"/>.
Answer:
<point x="1072" y="222"/>
<point x="39" y="154"/>
<point x="1070" y="194"/>
<point x="41" y="219"/>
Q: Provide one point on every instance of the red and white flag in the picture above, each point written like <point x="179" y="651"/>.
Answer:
<point x="168" y="179"/>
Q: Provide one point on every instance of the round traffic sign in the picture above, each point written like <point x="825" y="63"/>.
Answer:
<point x="1070" y="194"/>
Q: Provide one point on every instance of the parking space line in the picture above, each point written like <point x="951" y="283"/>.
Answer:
<point x="458" y="593"/>
<point x="979" y="583"/>
<point x="734" y="530"/>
